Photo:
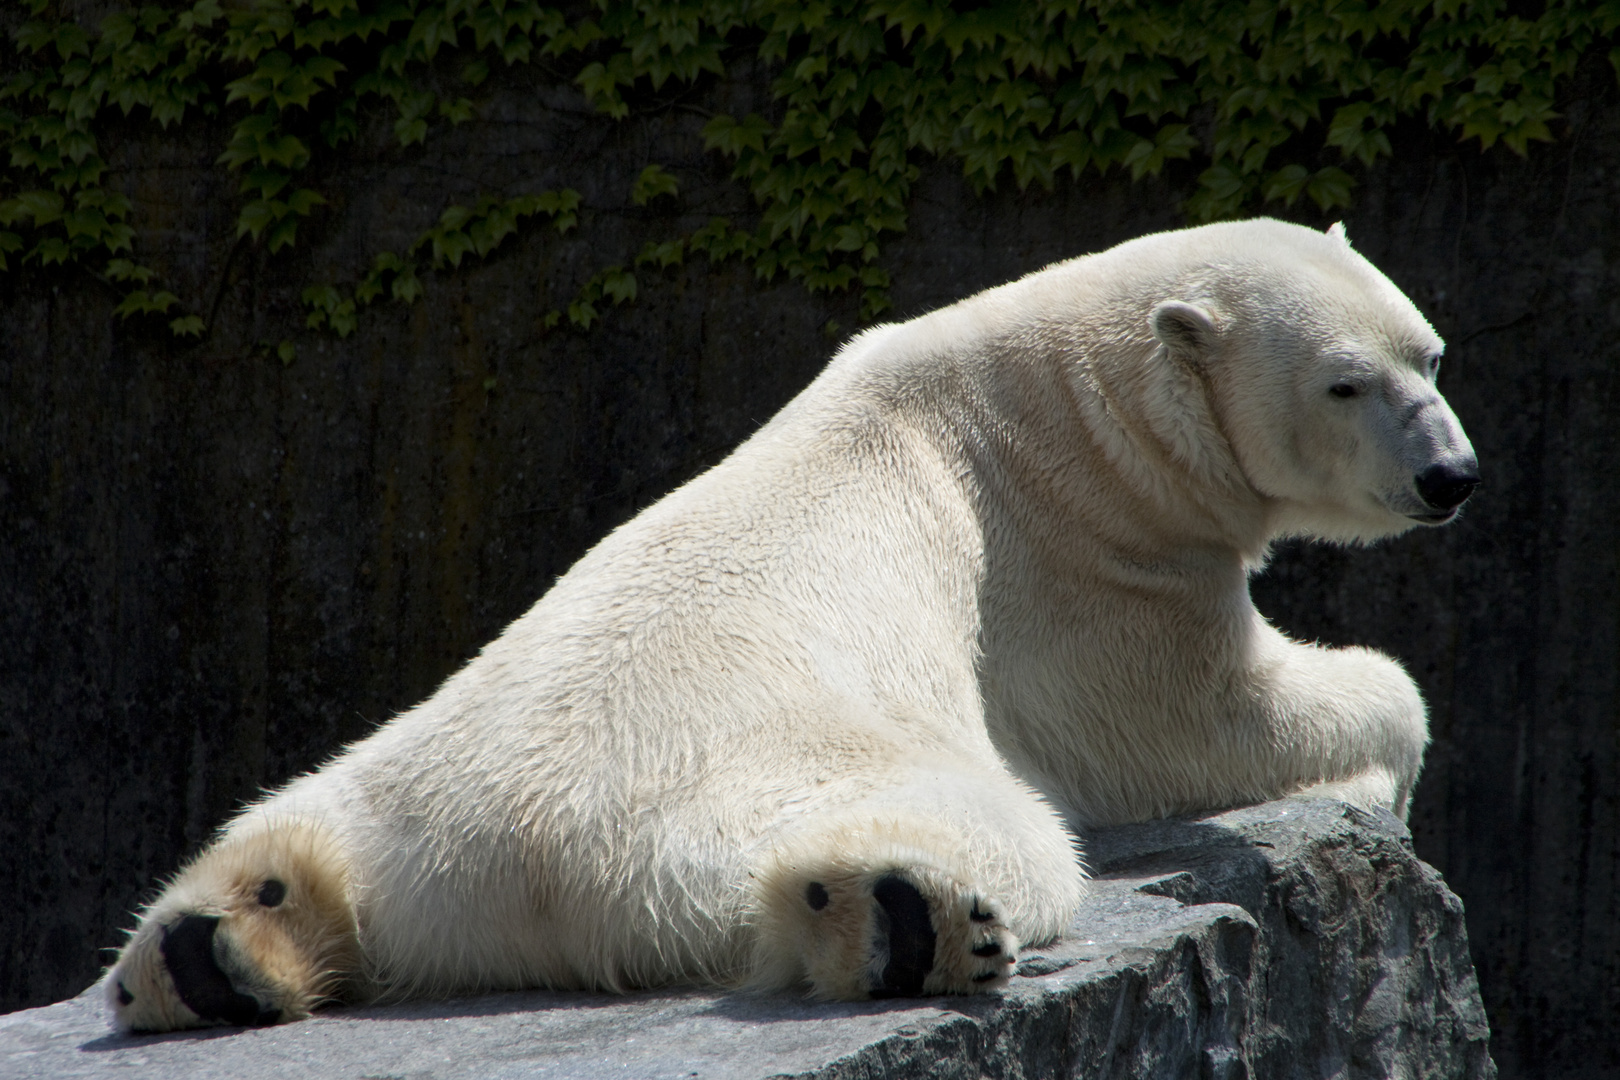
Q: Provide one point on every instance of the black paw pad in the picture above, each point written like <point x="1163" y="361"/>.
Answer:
<point x="911" y="937"/>
<point x="816" y="896"/>
<point x="188" y="952"/>
<point x="272" y="893"/>
<point x="989" y="948"/>
<point x="987" y="977"/>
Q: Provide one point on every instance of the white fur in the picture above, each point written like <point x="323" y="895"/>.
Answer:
<point x="987" y="573"/>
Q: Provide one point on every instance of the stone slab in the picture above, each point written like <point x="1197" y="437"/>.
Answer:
<point x="1300" y="938"/>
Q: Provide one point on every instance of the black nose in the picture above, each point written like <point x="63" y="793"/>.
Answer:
<point x="1446" y="487"/>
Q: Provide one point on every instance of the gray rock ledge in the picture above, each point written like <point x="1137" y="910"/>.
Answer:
<point x="1296" y="939"/>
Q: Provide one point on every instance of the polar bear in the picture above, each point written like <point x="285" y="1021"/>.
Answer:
<point x="829" y="715"/>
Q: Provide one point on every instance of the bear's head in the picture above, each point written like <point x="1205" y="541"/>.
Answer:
<point x="1321" y="376"/>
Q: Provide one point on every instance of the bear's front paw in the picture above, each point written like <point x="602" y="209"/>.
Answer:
<point x="902" y="932"/>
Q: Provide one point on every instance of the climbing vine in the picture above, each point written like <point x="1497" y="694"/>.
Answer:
<point x="1269" y="103"/>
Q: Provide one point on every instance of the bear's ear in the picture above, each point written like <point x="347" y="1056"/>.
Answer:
<point x="1336" y="230"/>
<point x="1184" y="329"/>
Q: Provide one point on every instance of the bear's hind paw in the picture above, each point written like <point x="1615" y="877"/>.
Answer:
<point x="893" y="932"/>
<point x="259" y="930"/>
<point x="191" y="967"/>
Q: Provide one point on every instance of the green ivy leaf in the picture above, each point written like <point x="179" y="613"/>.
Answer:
<point x="125" y="270"/>
<point x="302" y="201"/>
<point x="998" y="89"/>
<point x="601" y="84"/>
<point x="344" y="123"/>
<point x="1330" y="188"/>
<point x="406" y="287"/>
<point x="1349" y="133"/>
<point x="71" y="40"/>
<point x="583" y="314"/>
<point x="119" y="237"/>
<point x="620" y="284"/>
<point x="321" y="297"/>
<point x="258" y="216"/>
<point x="1147" y="157"/>
<point x="187" y="326"/>
<point x="667" y="253"/>
<point x="286" y="150"/>
<point x="115" y="204"/>
<point x="43" y="206"/>
<point x="449" y="245"/>
<point x="282" y="234"/>
<point x="732" y="137"/>
<point x="410" y="131"/>
<point x="343" y="318"/>
<point x="874" y="302"/>
<point x="516" y="50"/>
<point x="489" y="231"/>
<point x="139" y="302"/>
<point x="267" y="182"/>
<point x="653" y="182"/>
<point x="88" y="222"/>
<point x="1287" y="184"/>
<point x="32" y="36"/>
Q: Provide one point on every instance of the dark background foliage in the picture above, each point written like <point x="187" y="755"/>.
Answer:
<point x="216" y="567"/>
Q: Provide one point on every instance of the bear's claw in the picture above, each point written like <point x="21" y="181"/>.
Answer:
<point x="977" y="954"/>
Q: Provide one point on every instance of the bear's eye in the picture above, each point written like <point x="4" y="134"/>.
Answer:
<point x="272" y="892"/>
<point x="1342" y="390"/>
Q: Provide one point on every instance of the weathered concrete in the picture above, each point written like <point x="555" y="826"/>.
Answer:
<point x="1293" y="939"/>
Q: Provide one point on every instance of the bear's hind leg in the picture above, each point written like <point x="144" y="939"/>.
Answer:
<point x="914" y="893"/>
<point x="259" y="929"/>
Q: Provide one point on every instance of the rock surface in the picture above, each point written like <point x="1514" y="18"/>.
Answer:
<point x="1294" y="939"/>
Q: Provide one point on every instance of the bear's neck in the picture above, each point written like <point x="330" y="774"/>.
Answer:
<point x="1098" y="456"/>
